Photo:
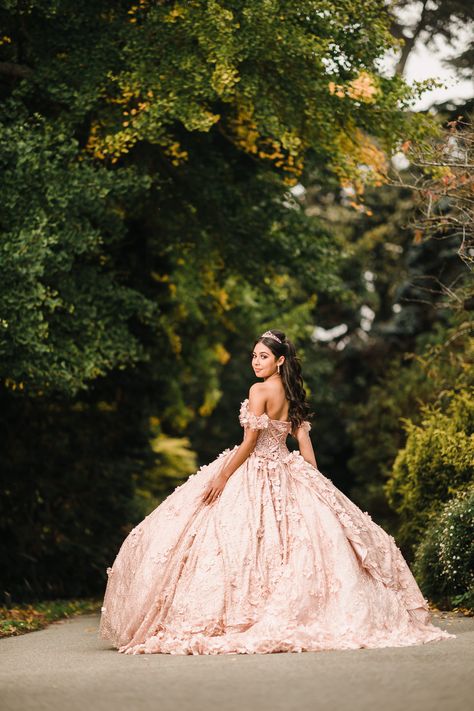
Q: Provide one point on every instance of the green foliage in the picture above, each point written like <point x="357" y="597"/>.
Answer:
<point x="376" y="432"/>
<point x="65" y="315"/>
<point x="174" y="462"/>
<point x="403" y="385"/>
<point x="243" y="68"/>
<point x="444" y="561"/>
<point x="147" y="147"/>
<point x="413" y="350"/>
<point x="437" y="461"/>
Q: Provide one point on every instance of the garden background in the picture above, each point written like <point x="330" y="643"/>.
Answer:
<point x="178" y="177"/>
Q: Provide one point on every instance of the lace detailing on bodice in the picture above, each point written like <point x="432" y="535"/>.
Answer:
<point x="271" y="442"/>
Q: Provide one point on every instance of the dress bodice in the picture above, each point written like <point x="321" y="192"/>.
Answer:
<point x="271" y="441"/>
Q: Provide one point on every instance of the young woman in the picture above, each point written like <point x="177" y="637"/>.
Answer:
<point x="259" y="552"/>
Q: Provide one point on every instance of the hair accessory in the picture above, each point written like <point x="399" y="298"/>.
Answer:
<point x="269" y="334"/>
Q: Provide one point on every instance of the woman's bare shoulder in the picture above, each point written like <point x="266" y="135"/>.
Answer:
<point x="258" y="394"/>
<point x="277" y="402"/>
<point x="257" y="388"/>
<point x="268" y="391"/>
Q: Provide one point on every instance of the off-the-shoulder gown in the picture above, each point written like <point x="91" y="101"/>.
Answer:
<point x="282" y="561"/>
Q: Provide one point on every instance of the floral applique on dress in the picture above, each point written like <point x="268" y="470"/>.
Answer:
<point x="282" y="561"/>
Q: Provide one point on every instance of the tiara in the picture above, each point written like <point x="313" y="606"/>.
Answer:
<point x="269" y="334"/>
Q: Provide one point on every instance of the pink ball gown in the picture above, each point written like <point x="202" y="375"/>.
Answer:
<point x="282" y="561"/>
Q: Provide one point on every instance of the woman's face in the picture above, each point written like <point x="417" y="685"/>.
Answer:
<point x="263" y="361"/>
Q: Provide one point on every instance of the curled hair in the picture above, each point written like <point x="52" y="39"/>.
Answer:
<point x="291" y="376"/>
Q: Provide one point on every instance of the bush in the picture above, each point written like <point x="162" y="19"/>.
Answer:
<point x="444" y="561"/>
<point x="435" y="463"/>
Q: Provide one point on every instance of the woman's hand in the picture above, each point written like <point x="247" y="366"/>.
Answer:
<point x="215" y="488"/>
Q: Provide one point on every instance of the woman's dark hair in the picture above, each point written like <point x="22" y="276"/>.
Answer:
<point x="291" y="376"/>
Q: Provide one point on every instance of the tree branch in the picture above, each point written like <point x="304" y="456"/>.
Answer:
<point x="410" y="41"/>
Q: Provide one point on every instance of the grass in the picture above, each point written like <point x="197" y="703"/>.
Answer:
<point x="22" y="618"/>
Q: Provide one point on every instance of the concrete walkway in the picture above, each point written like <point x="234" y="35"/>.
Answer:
<point x="66" y="668"/>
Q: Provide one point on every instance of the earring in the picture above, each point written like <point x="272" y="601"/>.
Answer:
<point x="278" y="369"/>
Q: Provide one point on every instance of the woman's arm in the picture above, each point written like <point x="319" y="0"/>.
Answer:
<point x="257" y="402"/>
<point x="244" y="449"/>
<point x="305" y="445"/>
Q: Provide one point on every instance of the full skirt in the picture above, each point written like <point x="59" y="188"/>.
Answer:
<point x="282" y="561"/>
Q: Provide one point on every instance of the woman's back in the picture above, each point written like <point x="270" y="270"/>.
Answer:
<point x="277" y="405"/>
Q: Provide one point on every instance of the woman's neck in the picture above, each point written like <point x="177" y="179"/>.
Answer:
<point x="273" y="376"/>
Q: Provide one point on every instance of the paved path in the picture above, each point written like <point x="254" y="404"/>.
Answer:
<point x="65" y="667"/>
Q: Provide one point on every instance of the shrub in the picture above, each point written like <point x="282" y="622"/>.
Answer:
<point x="444" y="561"/>
<point x="435" y="463"/>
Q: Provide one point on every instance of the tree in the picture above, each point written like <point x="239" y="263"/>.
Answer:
<point x="96" y="94"/>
